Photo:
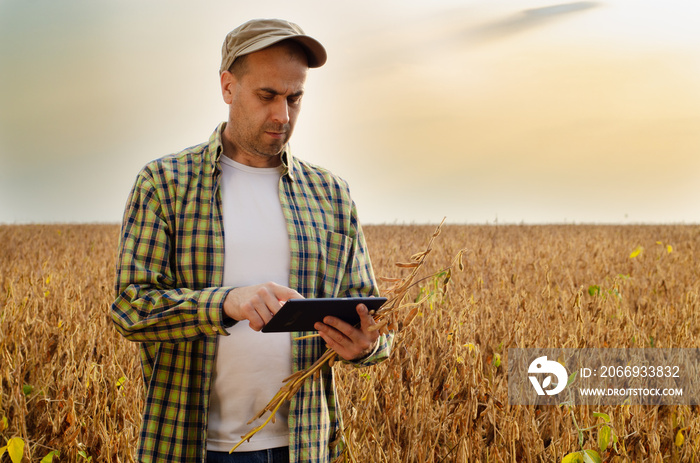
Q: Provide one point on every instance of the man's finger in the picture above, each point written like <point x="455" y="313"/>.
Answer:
<point x="366" y="320"/>
<point x="282" y="293"/>
<point x="269" y="303"/>
<point x="331" y="332"/>
<point x="255" y="320"/>
<point x="343" y="328"/>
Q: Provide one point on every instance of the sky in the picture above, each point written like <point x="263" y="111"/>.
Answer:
<point x="481" y="111"/>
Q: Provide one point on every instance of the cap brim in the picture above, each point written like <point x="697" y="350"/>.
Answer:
<point x="315" y="53"/>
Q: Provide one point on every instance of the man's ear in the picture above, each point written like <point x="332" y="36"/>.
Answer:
<point x="228" y="86"/>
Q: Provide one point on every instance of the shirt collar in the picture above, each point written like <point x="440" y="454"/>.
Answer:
<point x="216" y="146"/>
<point x="289" y="163"/>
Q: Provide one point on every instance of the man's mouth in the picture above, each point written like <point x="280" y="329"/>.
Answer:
<point x="277" y="135"/>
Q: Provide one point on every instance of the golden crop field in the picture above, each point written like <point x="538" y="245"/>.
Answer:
<point x="70" y="383"/>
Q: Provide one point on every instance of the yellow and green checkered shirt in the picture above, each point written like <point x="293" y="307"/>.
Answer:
<point x="170" y="299"/>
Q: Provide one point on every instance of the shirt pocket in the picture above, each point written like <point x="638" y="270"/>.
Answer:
<point x="334" y="252"/>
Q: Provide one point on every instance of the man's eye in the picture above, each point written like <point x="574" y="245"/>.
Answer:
<point x="266" y="97"/>
<point x="294" y="100"/>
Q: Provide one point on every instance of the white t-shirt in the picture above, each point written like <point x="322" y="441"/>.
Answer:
<point x="250" y="365"/>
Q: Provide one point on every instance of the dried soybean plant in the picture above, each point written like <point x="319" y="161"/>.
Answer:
<point x="385" y="318"/>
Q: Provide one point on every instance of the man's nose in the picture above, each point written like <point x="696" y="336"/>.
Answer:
<point x="280" y="112"/>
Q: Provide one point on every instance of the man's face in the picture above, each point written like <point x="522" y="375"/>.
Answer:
<point x="264" y="102"/>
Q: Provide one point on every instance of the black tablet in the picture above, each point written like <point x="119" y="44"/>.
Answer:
<point x="302" y="314"/>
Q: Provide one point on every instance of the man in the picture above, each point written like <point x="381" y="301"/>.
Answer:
<point x="214" y="239"/>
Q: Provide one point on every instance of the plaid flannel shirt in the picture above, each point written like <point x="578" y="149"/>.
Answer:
<point x="170" y="299"/>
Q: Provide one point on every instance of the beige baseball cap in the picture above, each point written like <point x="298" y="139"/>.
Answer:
<point x="257" y="34"/>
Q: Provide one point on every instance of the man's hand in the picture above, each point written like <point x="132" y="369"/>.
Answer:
<point x="349" y="342"/>
<point x="257" y="303"/>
